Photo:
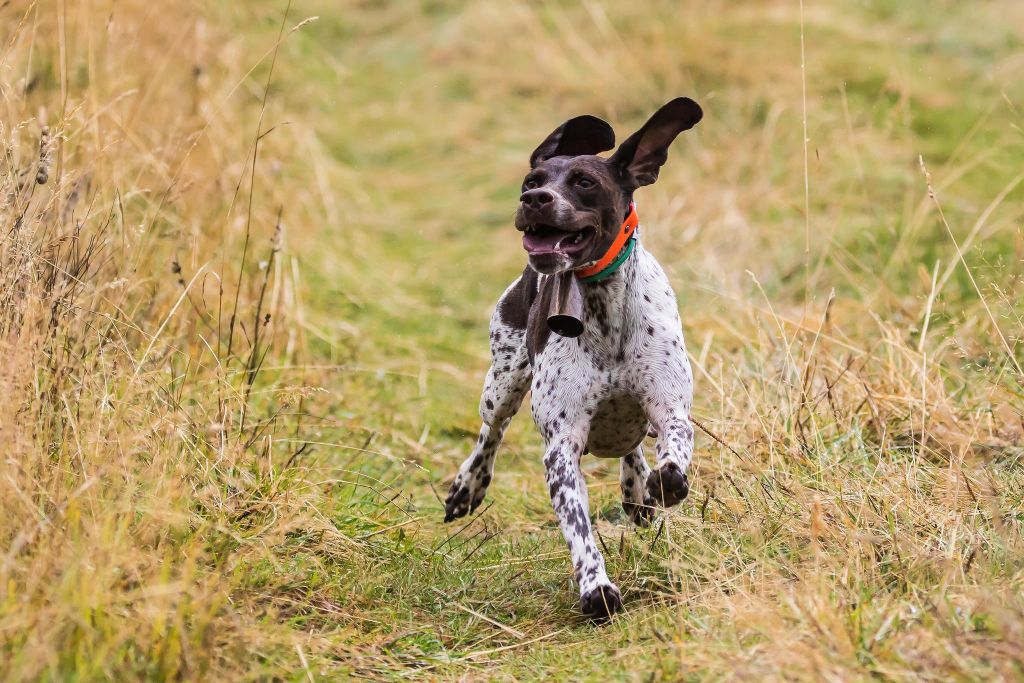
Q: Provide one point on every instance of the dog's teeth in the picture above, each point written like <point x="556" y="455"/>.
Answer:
<point x="579" y="236"/>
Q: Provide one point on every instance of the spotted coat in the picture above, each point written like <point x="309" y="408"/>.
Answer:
<point x="627" y="375"/>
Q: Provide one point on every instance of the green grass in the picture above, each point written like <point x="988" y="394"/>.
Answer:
<point x="857" y="514"/>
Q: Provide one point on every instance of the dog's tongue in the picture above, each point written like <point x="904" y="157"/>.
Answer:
<point x="544" y="241"/>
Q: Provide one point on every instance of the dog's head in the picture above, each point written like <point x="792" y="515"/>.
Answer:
<point x="573" y="202"/>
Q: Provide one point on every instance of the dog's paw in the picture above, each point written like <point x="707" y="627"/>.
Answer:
<point x="640" y="514"/>
<point x="668" y="484"/>
<point x="601" y="602"/>
<point x="461" y="501"/>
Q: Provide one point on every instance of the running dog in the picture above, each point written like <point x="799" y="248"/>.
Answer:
<point x="625" y="373"/>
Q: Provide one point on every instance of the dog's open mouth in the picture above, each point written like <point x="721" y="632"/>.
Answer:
<point x="547" y="239"/>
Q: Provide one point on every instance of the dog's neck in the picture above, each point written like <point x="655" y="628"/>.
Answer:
<point x="611" y="306"/>
<point x="618" y="252"/>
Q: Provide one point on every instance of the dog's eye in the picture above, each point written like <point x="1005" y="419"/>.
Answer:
<point x="530" y="184"/>
<point x="585" y="183"/>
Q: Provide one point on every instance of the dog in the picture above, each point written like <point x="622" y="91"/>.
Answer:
<point x="627" y="373"/>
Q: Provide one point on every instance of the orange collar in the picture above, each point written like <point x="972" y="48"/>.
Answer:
<point x="615" y="251"/>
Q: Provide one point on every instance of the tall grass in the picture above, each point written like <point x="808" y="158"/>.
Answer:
<point x="246" y="256"/>
<point x="142" y="286"/>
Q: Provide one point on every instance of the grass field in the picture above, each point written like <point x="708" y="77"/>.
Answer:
<point x="248" y="252"/>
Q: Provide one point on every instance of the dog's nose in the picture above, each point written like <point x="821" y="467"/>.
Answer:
<point x="536" y="198"/>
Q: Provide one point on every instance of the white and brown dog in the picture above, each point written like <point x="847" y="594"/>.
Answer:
<point x="600" y="387"/>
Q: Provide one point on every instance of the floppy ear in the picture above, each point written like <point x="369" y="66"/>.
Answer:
<point x="643" y="154"/>
<point x="581" y="135"/>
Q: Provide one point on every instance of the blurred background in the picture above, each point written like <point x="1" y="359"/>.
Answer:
<point x="249" y="253"/>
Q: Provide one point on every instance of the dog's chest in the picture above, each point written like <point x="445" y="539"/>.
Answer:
<point x="592" y="388"/>
<point x="632" y="332"/>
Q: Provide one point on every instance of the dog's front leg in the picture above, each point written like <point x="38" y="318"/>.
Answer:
<point x="474" y="476"/>
<point x="507" y="382"/>
<point x="599" y="597"/>
<point x="667" y="483"/>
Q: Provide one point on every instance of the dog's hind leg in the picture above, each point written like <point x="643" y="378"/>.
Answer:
<point x="636" y="501"/>
<point x="507" y="382"/>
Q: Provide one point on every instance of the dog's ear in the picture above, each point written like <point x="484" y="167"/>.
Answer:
<point x="580" y="135"/>
<point x="643" y="154"/>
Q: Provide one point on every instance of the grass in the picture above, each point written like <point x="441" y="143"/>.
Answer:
<point x="246" y="263"/>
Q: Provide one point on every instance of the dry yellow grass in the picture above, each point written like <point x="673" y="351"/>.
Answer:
<point x="246" y="256"/>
